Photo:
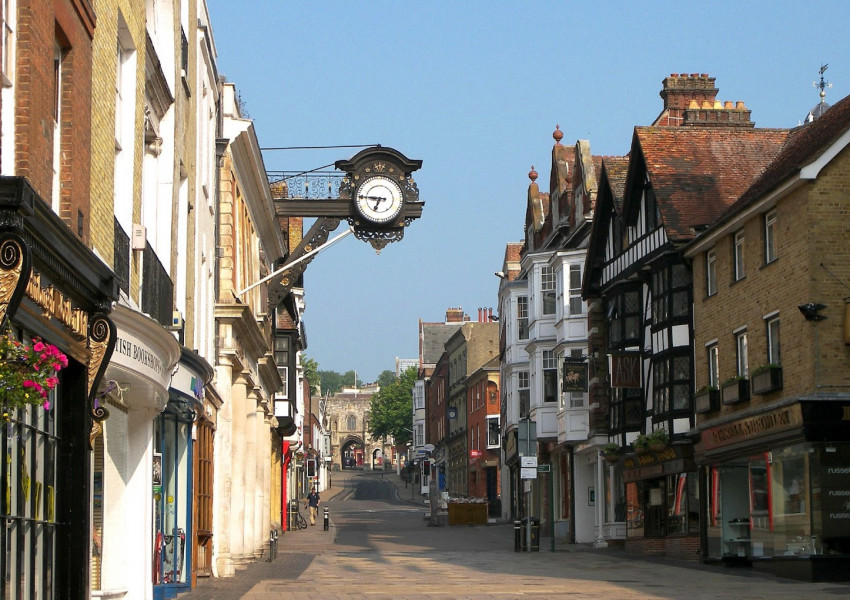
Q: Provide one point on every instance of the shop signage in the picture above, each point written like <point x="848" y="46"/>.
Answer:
<point x="575" y="376"/>
<point x="835" y="493"/>
<point x="188" y="381"/>
<point x="133" y="354"/>
<point x="625" y="370"/>
<point x="767" y="423"/>
<point x="56" y="305"/>
<point x="672" y="459"/>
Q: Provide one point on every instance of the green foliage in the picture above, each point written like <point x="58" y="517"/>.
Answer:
<point x="611" y="448"/>
<point x="386" y="378"/>
<point x="332" y="382"/>
<point x="311" y="372"/>
<point x="391" y="410"/>
<point x="659" y="436"/>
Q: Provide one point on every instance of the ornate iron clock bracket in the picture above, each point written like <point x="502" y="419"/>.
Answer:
<point x="316" y="237"/>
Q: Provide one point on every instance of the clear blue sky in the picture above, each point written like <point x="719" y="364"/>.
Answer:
<point x="474" y="90"/>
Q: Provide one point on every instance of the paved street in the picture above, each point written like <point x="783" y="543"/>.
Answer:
<point x="378" y="546"/>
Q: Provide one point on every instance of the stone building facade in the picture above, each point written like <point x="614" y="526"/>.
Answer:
<point x="348" y="423"/>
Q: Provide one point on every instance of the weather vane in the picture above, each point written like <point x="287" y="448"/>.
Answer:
<point x="822" y="85"/>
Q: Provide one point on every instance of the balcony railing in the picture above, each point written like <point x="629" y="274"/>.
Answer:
<point x="157" y="288"/>
<point x="121" y="258"/>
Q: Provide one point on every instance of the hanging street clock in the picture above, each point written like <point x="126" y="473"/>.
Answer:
<point x="383" y="195"/>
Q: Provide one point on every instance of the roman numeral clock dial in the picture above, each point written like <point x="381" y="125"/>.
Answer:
<point x="379" y="200"/>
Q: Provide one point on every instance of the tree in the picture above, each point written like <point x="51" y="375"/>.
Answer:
<point x="391" y="409"/>
<point x="332" y="382"/>
<point x="311" y="373"/>
<point x="386" y="378"/>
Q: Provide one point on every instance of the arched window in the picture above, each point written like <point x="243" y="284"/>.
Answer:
<point x="351" y="422"/>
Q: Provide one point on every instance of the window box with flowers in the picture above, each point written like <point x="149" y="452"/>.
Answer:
<point x="28" y="372"/>
<point x="658" y="440"/>
<point x="641" y="444"/>
<point x="611" y="452"/>
<point x="735" y="390"/>
<point x="766" y="379"/>
<point x="707" y="399"/>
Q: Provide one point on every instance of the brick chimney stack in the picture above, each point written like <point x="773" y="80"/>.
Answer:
<point x="692" y="100"/>
<point x="679" y="90"/>
<point x="454" y="315"/>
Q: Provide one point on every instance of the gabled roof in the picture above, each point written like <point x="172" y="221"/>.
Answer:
<point x="434" y="338"/>
<point x="696" y="173"/>
<point x="804" y="145"/>
<point x="609" y="200"/>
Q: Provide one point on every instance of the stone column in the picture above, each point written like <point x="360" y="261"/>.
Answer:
<point x="240" y="552"/>
<point x="249" y="491"/>
<point x="223" y="469"/>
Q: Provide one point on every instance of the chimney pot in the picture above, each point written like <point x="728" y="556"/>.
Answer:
<point x="739" y="105"/>
<point x="706" y="104"/>
<point x="693" y="104"/>
<point x="694" y="75"/>
<point x="718" y="105"/>
<point x="729" y="104"/>
<point x="704" y="75"/>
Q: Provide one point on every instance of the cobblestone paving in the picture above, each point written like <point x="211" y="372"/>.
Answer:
<point x="357" y="558"/>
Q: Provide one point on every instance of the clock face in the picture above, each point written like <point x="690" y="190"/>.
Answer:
<point x="379" y="199"/>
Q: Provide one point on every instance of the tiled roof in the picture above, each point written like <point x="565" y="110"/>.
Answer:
<point x="616" y="169"/>
<point x="697" y="173"/>
<point x="434" y="337"/>
<point x="804" y="145"/>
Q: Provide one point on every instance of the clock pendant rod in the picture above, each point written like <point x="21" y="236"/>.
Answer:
<point x="288" y="266"/>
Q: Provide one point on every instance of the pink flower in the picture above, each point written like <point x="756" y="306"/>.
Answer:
<point x="38" y="346"/>
<point x="46" y="405"/>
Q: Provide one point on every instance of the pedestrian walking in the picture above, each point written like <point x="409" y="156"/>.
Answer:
<point x="313" y="503"/>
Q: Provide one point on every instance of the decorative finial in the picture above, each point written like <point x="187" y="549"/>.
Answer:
<point x="532" y="174"/>
<point x="558" y="134"/>
<point x="822" y="85"/>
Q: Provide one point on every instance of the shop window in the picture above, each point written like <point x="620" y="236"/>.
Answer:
<point x="30" y="528"/>
<point x="172" y="503"/>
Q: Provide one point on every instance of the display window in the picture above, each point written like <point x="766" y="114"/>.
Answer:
<point x="172" y="495"/>
<point x="663" y="506"/>
<point x="789" y="501"/>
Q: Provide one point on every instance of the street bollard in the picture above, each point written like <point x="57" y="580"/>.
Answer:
<point x="327" y="518"/>
<point x="517" y="536"/>
<point x="272" y="545"/>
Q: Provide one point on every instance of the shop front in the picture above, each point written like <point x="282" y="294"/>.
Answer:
<point x="172" y="497"/>
<point x="778" y="490"/>
<point x="55" y="295"/>
<point x="662" y="502"/>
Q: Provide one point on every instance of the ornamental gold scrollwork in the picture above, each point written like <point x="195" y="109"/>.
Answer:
<point x="15" y="267"/>
<point x="102" y="335"/>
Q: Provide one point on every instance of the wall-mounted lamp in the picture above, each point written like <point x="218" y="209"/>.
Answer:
<point x="811" y="311"/>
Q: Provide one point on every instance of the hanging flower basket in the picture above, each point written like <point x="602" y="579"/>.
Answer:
<point x="28" y="372"/>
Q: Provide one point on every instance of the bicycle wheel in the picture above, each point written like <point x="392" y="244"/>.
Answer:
<point x="302" y="522"/>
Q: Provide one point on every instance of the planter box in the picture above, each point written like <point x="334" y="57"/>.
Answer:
<point x="768" y="381"/>
<point x="707" y="401"/>
<point x="467" y="513"/>
<point x="735" y="391"/>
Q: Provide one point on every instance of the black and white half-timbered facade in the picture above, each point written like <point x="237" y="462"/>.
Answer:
<point x="680" y="176"/>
